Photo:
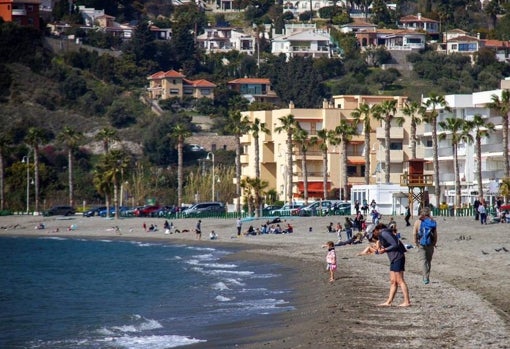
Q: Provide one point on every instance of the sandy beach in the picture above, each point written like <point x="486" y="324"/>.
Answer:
<point x="466" y="305"/>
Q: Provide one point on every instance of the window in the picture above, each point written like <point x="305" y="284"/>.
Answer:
<point x="205" y="91"/>
<point x="395" y="145"/>
<point x="468" y="47"/>
<point x="188" y="91"/>
<point x="174" y="91"/>
<point x="428" y="143"/>
<point x="454" y="47"/>
<point x="413" y="40"/>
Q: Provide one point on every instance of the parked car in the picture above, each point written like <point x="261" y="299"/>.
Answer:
<point x="60" y="211"/>
<point x="267" y="210"/>
<point x="147" y="211"/>
<point x="122" y="211"/>
<point x="94" y="211"/>
<point x="316" y="208"/>
<point x="286" y="210"/>
<point x="204" y="209"/>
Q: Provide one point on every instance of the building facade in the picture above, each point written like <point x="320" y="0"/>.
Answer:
<point x="22" y="12"/>
<point x="273" y="148"/>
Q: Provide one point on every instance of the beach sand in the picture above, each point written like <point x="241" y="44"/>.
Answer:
<point x="466" y="305"/>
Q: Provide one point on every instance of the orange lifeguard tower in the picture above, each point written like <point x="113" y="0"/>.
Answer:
<point x="416" y="182"/>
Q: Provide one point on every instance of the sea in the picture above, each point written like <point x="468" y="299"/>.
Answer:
<point x="63" y="293"/>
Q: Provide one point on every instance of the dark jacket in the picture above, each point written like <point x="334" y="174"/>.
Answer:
<point x="394" y="248"/>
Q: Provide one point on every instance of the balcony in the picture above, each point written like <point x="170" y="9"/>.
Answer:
<point x="395" y="156"/>
<point x="492" y="148"/>
<point x="395" y="132"/>
<point x="493" y="174"/>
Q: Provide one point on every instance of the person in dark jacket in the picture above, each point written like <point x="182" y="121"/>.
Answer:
<point x="395" y="250"/>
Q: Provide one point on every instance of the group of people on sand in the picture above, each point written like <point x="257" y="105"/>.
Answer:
<point x="385" y="239"/>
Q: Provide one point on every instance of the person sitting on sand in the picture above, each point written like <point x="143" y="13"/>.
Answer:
<point x="289" y="229"/>
<point x="250" y="231"/>
<point x="213" y="235"/>
<point x="330" y="228"/>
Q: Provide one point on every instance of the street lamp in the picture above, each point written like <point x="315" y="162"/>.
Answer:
<point x="210" y="156"/>
<point x="26" y="159"/>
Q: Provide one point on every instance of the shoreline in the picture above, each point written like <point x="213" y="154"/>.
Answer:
<point x="467" y="303"/>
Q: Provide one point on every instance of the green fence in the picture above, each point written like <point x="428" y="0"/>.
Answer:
<point x="460" y="212"/>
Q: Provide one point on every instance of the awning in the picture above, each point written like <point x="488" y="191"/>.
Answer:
<point x="314" y="186"/>
<point x="356" y="160"/>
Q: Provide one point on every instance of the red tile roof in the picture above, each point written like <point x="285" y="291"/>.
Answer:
<point x="262" y="81"/>
<point x="412" y="18"/>
<point x="496" y="43"/>
<point x="199" y="83"/>
<point x="169" y="74"/>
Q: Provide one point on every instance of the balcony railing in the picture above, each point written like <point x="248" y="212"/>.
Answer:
<point x="395" y="156"/>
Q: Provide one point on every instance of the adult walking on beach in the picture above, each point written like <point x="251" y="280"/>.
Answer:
<point x="425" y="239"/>
<point x="198" y="230"/>
<point x="239" y="226"/>
<point x="395" y="250"/>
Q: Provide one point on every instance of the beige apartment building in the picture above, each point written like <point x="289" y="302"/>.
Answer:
<point x="273" y="148"/>
<point x="170" y="84"/>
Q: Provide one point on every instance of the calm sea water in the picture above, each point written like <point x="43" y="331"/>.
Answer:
<point x="64" y="293"/>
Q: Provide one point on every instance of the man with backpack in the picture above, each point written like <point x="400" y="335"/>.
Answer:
<point x="425" y="238"/>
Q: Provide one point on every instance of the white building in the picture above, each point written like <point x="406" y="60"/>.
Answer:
<point x="303" y="40"/>
<point x="219" y="39"/>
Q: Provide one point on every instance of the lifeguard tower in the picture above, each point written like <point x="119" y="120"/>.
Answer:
<point x="416" y="182"/>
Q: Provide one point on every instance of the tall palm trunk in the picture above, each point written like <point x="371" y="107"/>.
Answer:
<point x="413" y="139"/>
<point x="437" y="188"/>
<point x="116" y="197"/>
<point x="367" y="157"/>
<point x="70" y="178"/>
<point x="457" y="175"/>
<point x="289" y="167"/>
<point x="325" y="174"/>
<point x="479" y="164"/>
<point x="36" y="178"/>
<point x="305" y="176"/>
<point x="179" y="172"/>
<point x="387" y="138"/>
<point x="238" y="173"/>
<point x="258" y="201"/>
<point x="344" y="168"/>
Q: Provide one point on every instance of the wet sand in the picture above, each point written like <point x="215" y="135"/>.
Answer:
<point x="466" y="305"/>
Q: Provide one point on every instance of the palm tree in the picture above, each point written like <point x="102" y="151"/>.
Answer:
<point x="289" y="126"/>
<point x="324" y="138"/>
<point x="482" y="130"/>
<point x="113" y="166"/>
<point x="345" y="131"/>
<point x="70" y="138"/>
<point x="386" y="111"/>
<point x="301" y="138"/>
<point x="363" y="114"/>
<point x="107" y="136"/>
<point x="34" y="138"/>
<point x="502" y="106"/>
<point x="459" y="130"/>
<point x="413" y="110"/>
<point x="103" y="186"/>
<point x="254" y="188"/>
<point x="180" y="132"/>
<point x="433" y="102"/>
<point x="237" y="126"/>
<point x="255" y="128"/>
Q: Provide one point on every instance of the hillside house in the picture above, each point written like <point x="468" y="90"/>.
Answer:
<point x="392" y="39"/>
<point x="255" y="89"/>
<point x="220" y="39"/>
<point x="419" y="22"/>
<point x="303" y="40"/>
<point x="171" y="84"/>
